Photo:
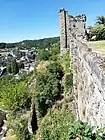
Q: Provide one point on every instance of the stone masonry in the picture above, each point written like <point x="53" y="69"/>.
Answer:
<point x="88" y="71"/>
<point x="70" y="25"/>
<point x="89" y="84"/>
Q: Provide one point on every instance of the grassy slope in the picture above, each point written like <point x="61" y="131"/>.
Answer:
<point x="97" y="46"/>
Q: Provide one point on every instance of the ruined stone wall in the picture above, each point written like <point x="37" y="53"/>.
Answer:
<point x="63" y="31"/>
<point x="70" y="25"/>
<point x="88" y="70"/>
<point x="89" y="83"/>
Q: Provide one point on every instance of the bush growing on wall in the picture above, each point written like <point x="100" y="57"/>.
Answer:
<point x="68" y="82"/>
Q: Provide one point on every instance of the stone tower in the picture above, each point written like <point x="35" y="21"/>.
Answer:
<point x="70" y="25"/>
<point x="63" y="24"/>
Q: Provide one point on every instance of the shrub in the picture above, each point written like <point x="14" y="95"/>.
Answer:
<point x="60" y="124"/>
<point x="43" y="55"/>
<point x="55" y="125"/>
<point x="48" y="87"/>
<point x="65" y="62"/>
<point x="68" y="82"/>
<point x="56" y="69"/>
<point x="55" y="50"/>
<point x="47" y="92"/>
<point x="14" y="96"/>
<point x="41" y="68"/>
<point x="18" y="128"/>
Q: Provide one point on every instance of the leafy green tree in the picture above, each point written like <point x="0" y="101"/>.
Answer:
<point x="99" y="32"/>
<point x="21" y="65"/>
<point x="40" y="44"/>
<point x="43" y="55"/>
<point x="48" y="87"/>
<point x="9" y="68"/>
<point x="14" y="67"/>
<point x="56" y="69"/>
<point x="2" y="45"/>
<point x="100" y="20"/>
<point x="55" y="51"/>
<point x="46" y="93"/>
<point x="14" y="96"/>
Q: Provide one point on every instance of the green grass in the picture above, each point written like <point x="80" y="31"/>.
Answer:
<point x="97" y="46"/>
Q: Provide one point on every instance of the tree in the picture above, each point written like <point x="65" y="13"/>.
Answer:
<point x="47" y="91"/>
<point x="55" y="50"/>
<point x="14" y="67"/>
<point x="9" y="68"/>
<point x="21" y="65"/>
<point x="101" y="20"/>
<point x="43" y="54"/>
<point x="99" y="32"/>
<point x="40" y="44"/>
<point x="14" y="96"/>
<point x="48" y="88"/>
<point x="2" y="45"/>
<point x="56" y="69"/>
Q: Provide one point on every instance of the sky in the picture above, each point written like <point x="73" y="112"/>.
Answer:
<point x="34" y="19"/>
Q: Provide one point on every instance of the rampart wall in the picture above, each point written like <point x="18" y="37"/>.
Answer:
<point x="88" y="69"/>
<point x="89" y="83"/>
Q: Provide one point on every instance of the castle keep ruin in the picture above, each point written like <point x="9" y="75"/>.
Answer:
<point x="70" y="25"/>
<point x="88" y="70"/>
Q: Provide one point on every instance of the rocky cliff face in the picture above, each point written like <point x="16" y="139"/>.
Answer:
<point x="89" y="83"/>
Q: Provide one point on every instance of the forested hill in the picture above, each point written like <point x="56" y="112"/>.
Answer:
<point x="41" y="43"/>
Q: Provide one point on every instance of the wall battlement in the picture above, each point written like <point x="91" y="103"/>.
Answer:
<point x="88" y="72"/>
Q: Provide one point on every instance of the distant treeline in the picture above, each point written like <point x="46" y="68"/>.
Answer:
<point x="41" y="43"/>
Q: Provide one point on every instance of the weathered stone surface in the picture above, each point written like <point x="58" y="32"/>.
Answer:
<point x="70" y="25"/>
<point x="88" y="70"/>
<point x="90" y="79"/>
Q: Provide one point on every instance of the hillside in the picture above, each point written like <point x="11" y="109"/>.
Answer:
<point x="41" y="43"/>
